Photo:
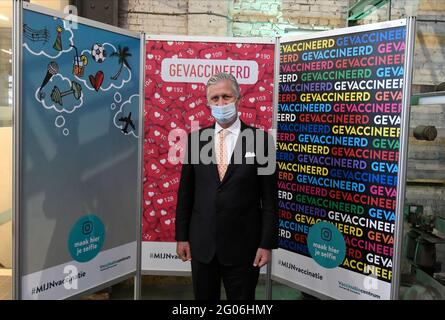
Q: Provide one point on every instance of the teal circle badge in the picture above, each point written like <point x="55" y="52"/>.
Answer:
<point x="326" y="245"/>
<point x="86" y="238"/>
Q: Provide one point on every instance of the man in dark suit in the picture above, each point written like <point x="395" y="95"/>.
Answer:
<point x="226" y="216"/>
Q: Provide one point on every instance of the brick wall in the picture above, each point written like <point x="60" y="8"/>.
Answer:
<point x="429" y="52"/>
<point x="429" y="55"/>
<point x="328" y="13"/>
<point x="275" y="17"/>
<point x="430" y="43"/>
<point x="217" y="24"/>
<point x="175" y="17"/>
<point x="154" y="16"/>
<point x="5" y="65"/>
<point x="230" y="17"/>
<point x="256" y="18"/>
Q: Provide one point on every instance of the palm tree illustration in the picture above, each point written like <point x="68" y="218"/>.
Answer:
<point x="123" y="54"/>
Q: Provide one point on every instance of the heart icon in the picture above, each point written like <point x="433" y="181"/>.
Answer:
<point x="149" y="56"/>
<point x="192" y="105"/>
<point x="96" y="81"/>
<point x="262" y="89"/>
<point x="147" y="202"/>
<point x="167" y="222"/>
<point x="263" y="108"/>
<point x="191" y="118"/>
<point x="152" y="213"/>
<point x="163" y="212"/>
<point x="170" y="43"/>
<point x="157" y="133"/>
<point x="166" y="185"/>
<point x="157" y="95"/>
<point x="153" y="167"/>
<point x="160" y="201"/>
<point x="208" y="55"/>
<point x="169" y="89"/>
<point x="173" y="125"/>
<point x="182" y="99"/>
<point x="157" y="114"/>
<point x="194" y="86"/>
<point x="239" y="45"/>
<point x="151" y="194"/>
<point x="163" y="161"/>
<point x="252" y="100"/>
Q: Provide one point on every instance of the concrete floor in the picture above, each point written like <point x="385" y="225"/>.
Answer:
<point x="180" y="288"/>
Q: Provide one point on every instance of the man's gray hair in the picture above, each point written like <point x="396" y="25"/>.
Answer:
<point x="224" y="76"/>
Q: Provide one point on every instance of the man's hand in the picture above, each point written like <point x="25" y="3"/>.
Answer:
<point x="263" y="256"/>
<point x="183" y="250"/>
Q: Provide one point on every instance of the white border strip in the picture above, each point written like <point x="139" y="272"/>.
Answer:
<point x="210" y="39"/>
<point x="348" y="30"/>
<point x="114" y="263"/>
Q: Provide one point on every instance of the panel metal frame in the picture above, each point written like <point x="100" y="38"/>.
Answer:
<point x="410" y="24"/>
<point x="247" y="40"/>
<point x="19" y="6"/>
<point x="17" y="40"/>
<point x="403" y="156"/>
<point x="182" y="38"/>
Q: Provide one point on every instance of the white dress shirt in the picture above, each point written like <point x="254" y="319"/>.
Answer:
<point x="231" y="135"/>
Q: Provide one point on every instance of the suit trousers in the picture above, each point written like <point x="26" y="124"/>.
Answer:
<point x="239" y="281"/>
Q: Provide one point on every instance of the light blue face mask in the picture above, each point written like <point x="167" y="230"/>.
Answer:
<point x="224" y="114"/>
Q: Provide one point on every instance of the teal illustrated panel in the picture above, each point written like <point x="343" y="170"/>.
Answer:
<point x="79" y="139"/>
<point x="73" y="66"/>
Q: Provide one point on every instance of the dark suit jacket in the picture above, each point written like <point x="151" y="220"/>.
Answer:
<point x="231" y="218"/>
